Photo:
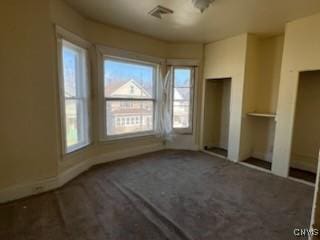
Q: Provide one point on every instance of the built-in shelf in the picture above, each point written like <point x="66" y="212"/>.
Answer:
<point x="266" y="115"/>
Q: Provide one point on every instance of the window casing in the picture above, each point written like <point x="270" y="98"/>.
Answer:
<point x="74" y="95"/>
<point x="129" y="97"/>
<point x="182" y="99"/>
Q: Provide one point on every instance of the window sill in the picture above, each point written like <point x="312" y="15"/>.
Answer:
<point x="183" y="131"/>
<point x="130" y="137"/>
<point x="77" y="149"/>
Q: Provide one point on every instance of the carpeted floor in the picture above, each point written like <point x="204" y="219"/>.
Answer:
<point x="177" y="195"/>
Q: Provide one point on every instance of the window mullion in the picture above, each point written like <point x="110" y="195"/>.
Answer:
<point x="130" y="99"/>
<point x="76" y="98"/>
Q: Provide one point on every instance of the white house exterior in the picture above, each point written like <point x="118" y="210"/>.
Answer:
<point x="129" y="116"/>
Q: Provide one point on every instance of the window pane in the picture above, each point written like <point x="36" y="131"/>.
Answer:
<point x="70" y="62"/>
<point x="128" y="80"/>
<point x="181" y="94"/>
<point x="124" y="117"/>
<point x="181" y="114"/>
<point x="76" y="101"/>
<point x="74" y="122"/>
<point x="182" y="77"/>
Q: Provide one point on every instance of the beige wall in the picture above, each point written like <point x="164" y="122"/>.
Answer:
<point x="30" y="131"/>
<point x="267" y="91"/>
<point x="302" y="43"/>
<point x="225" y="59"/>
<point x="262" y="80"/>
<point x="112" y="37"/>
<point x="270" y="51"/>
<point x="249" y="98"/>
<point x="306" y="132"/>
<point x="66" y="17"/>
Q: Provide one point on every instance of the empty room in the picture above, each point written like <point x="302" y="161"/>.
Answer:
<point x="154" y="119"/>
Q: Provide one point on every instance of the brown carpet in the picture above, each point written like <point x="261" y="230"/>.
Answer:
<point x="164" y="195"/>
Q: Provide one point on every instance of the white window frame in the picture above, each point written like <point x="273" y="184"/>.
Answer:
<point x="193" y="66"/>
<point x="65" y="37"/>
<point x="104" y="53"/>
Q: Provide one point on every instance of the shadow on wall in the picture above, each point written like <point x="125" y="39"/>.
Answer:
<point x="306" y="132"/>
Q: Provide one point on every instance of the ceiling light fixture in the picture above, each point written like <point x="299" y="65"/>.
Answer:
<point x="202" y="4"/>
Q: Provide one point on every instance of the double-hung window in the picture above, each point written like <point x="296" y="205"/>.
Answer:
<point x="74" y="95"/>
<point x="183" y="87"/>
<point x="129" y="97"/>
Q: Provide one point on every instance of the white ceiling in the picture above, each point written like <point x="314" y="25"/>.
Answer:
<point x="223" y="19"/>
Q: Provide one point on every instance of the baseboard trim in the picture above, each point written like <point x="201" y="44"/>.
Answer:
<point x="303" y="166"/>
<point x="255" y="167"/>
<point x="215" y="155"/>
<point x="29" y="189"/>
<point x="302" y="181"/>
<point x="262" y="156"/>
<point x="37" y="187"/>
<point x="193" y="147"/>
<point x="244" y="156"/>
<point x="73" y="172"/>
<point x="109" y="157"/>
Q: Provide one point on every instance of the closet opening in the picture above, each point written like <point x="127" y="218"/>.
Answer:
<point x="262" y="134"/>
<point x="306" y="132"/>
<point x="217" y="116"/>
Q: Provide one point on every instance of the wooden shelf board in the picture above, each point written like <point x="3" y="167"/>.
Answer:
<point x="266" y="115"/>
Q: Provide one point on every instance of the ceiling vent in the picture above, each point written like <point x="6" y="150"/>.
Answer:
<point x="159" y="11"/>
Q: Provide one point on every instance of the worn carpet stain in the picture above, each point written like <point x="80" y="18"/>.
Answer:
<point x="176" y="195"/>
